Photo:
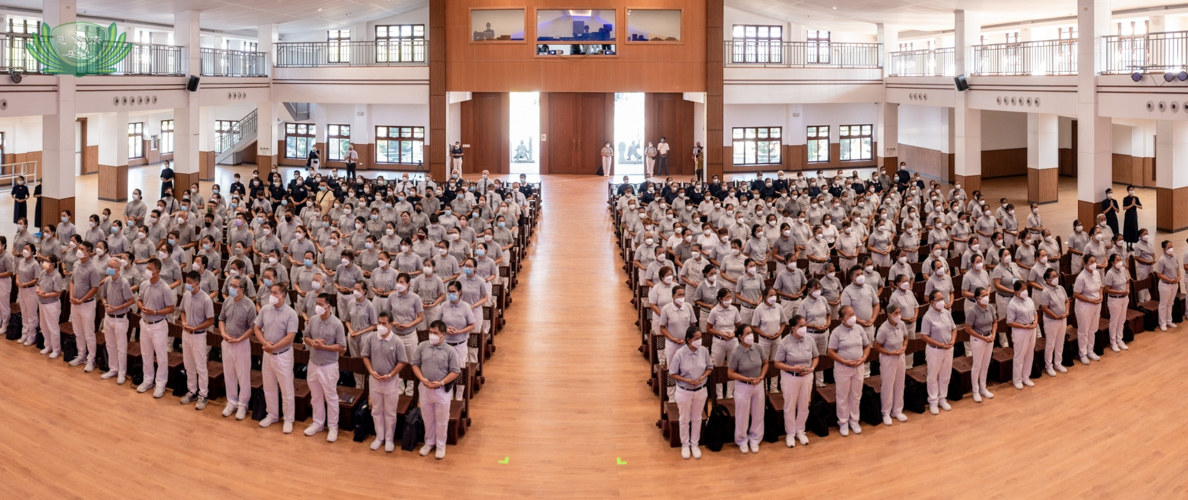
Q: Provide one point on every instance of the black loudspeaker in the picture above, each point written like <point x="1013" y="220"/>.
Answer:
<point x="193" y="85"/>
<point x="962" y="85"/>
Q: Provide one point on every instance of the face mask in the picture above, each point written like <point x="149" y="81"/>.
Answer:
<point x="903" y="259"/>
<point x="816" y="294"/>
<point x="233" y="273"/>
<point x="984" y="300"/>
<point x="140" y="235"/>
<point x="1169" y="251"/>
<point x="667" y="280"/>
<point x="679" y="302"/>
<point x="1093" y="267"/>
<point x="751" y="271"/>
<point x="860" y="280"/>
<point x="939" y="305"/>
<point x="1023" y="294"/>
<point x="771" y="300"/>
<point x="273" y="300"/>
<point x="346" y="262"/>
<point x="452" y="297"/>
<point x="696" y="344"/>
<point x="850" y="321"/>
<point x="1006" y="259"/>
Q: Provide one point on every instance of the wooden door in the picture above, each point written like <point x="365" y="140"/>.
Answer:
<point x="564" y="132"/>
<point x="670" y="116"/>
<point x="485" y="128"/>
<point x="593" y="132"/>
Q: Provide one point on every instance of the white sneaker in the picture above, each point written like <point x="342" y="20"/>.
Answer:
<point x="185" y="400"/>
<point x="1172" y="325"/>
<point x="46" y="350"/>
<point x="1050" y="371"/>
<point x="427" y="449"/>
<point x="241" y="413"/>
<point x="696" y="451"/>
<point x="685" y="453"/>
<point x="77" y="361"/>
<point x="332" y="436"/>
<point x="1027" y="382"/>
<point x="945" y="405"/>
<point x="389" y="447"/>
<point x="120" y="379"/>
<point x="1163" y="328"/>
<point x="886" y="419"/>
<point x="845" y="430"/>
<point x="790" y="441"/>
<point x="1094" y="356"/>
<point x="1019" y="385"/>
<point x="54" y="355"/>
<point x="1114" y="347"/>
<point x="408" y="389"/>
<point x="159" y="393"/>
<point x="802" y="437"/>
<point x="201" y="404"/>
<point x="1084" y="360"/>
<point x="30" y="341"/>
<point x="108" y="375"/>
<point x="977" y="397"/>
<point x="313" y="429"/>
<point x="288" y="428"/>
<point x="229" y="409"/>
<point x="89" y="368"/>
<point x="1061" y="369"/>
<point x="440" y="453"/>
<point x="743" y="448"/>
<point x="268" y="420"/>
<point x="932" y="409"/>
<point x="143" y="388"/>
<point x="854" y="426"/>
<point x="375" y="444"/>
<point x="754" y="447"/>
<point x="987" y="394"/>
<point x="1123" y="346"/>
<point x="901" y="417"/>
<point x="458" y="393"/>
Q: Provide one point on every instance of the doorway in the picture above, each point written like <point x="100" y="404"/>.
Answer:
<point x="629" y="133"/>
<point x="524" y="132"/>
<point x="78" y="148"/>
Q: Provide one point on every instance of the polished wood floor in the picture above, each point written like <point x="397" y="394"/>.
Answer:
<point x="566" y="403"/>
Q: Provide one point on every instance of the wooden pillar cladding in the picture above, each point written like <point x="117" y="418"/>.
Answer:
<point x="545" y="137"/>
<point x="437" y="89"/>
<point x="714" y="135"/>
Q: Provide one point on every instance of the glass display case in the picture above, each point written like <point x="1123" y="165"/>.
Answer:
<point x="497" y="25"/>
<point x="653" y="25"/>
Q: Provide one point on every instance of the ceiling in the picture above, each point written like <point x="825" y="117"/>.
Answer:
<point x="239" y="16"/>
<point x="860" y="16"/>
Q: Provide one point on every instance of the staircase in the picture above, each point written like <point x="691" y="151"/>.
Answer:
<point x="298" y="110"/>
<point x="231" y="145"/>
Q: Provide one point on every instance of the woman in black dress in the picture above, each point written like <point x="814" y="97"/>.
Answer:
<point x="1130" y="228"/>
<point x="20" y="195"/>
<point x="1109" y="207"/>
<point x="37" y="206"/>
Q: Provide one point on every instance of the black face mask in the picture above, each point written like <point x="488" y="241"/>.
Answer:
<point x="207" y="224"/>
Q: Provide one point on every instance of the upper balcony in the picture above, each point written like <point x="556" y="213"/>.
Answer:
<point x="144" y="60"/>
<point x="937" y="62"/>
<point x="802" y="54"/>
<point x="407" y="52"/>
<point x="1039" y="58"/>
<point x="216" y="62"/>
<point x="1165" y="52"/>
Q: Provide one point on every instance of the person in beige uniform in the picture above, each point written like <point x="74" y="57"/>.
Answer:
<point x="1117" y="288"/>
<point x="326" y="339"/>
<point x="891" y="344"/>
<point x="1087" y="292"/>
<point x="608" y="160"/>
<point x="796" y="358"/>
<point x="436" y="366"/>
<point x="939" y="332"/>
<point x="1167" y="271"/>
<point x="1022" y="322"/>
<point x="49" y="306"/>
<point x="385" y="357"/>
<point x="235" y="326"/>
<point x="848" y="347"/>
<point x="197" y="315"/>
<point x="747" y="367"/>
<point x="1054" y="304"/>
<point x="117" y="299"/>
<point x="981" y="327"/>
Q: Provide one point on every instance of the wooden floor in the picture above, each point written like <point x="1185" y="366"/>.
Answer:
<point x="567" y="406"/>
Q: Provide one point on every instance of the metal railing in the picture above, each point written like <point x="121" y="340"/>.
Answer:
<point x="245" y="127"/>
<point x="217" y="62"/>
<point x="803" y="54"/>
<point x="936" y="62"/>
<point x="30" y="170"/>
<point x="1155" y="52"/>
<point x="1046" y="57"/>
<point x="142" y="59"/>
<point x="400" y="52"/>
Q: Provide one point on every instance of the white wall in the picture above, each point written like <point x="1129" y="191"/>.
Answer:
<point x="732" y="16"/>
<point x="1122" y="140"/>
<point x="1003" y="130"/>
<point x="363" y="128"/>
<point x="22" y="134"/>
<point x="924" y="127"/>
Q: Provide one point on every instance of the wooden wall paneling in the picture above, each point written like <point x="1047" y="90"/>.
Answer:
<point x="504" y="127"/>
<point x="1121" y="167"/>
<point x="91" y="159"/>
<point x="1042" y="185"/>
<point x="544" y="142"/>
<point x="715" y="157"/>
<point x="438" y="77"/>
<point x="593" y="131"/>
<point x="151" y="155"/>
<point x="670" y="116"/>
<point x="928" y="162"/>
<point x="113" y="183"/>
<point x="1148" y="172"/>
<point x="1004" y="163"/>
<point x="1172" y="209"/>
<point x="484" y="131"/>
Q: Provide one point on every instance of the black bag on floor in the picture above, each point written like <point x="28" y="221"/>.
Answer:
<point x="915" y="396"/>
<point x="414" y="430"/>
<point x="364" y="425"/>
<point x="14" y="327"/>
<point x="69" y="348"/>
<point x="257" y="405"/>
<point x="870" y="408"/>
<point x="1127" y="333"/>
<point x="954" y="387"/>
<point x="717" y="428"/>
<point x="819" y="418"/>
<point x="773" y="422"/>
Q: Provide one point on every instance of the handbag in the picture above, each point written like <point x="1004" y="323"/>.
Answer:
<point x="364" y="425"/>
<point x="413" y="432"/>
<point x="773" y="422"/>
<point x="717" y="428"/>
<point x="870" y="407"/>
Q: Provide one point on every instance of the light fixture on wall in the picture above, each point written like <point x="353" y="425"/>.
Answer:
<point x="1136" y="76"/>
<point x="1169" y="76"/>
<point x="1181" y="76"/>
<point x="15" y="77"/>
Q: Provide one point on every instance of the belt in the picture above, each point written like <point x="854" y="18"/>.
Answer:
<point x="30" y="286"/>
<point x="747" y="306"/>
<point x="279" y="353"/>
<point x="118" y="316"/>
<point x="695" y="389"/>
<point x="196" y="333"/>
<point x="1007" y="295"/>
<point x="406" y="334"/>
<point x="456" y="343"/>
<point x="154" y="322"/>
<point x="87" y="302"/>
<point x="794" y="374"/>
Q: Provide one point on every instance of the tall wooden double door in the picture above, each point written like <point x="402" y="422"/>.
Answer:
<point x="578" y="125"/>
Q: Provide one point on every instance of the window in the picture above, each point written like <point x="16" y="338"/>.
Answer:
<point x="136" y="140"/>
<point x="227" y="133"/>
<point x="166" y="136"/>
<point x="400" y="43"/>
<point x="1132" y="28"/>
<point x="22" y="25"/>
<point x="15" y="52"/>
<point x="299" y="139"/>
<point x="756" y="145"/>
<point x="338" y="48"/>
<point x="817" y="50"/>
<point x="818" y="144"/>
<point x="338" y="141"/>
<point x="855" y="142"/>
<point x="757" y="44"/>
<point x="399" y="144"/>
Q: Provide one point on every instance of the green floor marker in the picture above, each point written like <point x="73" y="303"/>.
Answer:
<point x="620" y="461"/>
<point x="505" y="460"/>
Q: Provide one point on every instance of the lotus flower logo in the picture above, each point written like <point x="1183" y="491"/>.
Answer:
<point x="79" y="49"/>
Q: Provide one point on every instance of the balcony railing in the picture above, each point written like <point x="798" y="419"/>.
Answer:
<point x="804" y="54"/>
<point x="217" y="62"/>
<point x="938" y="62"/>
<point x="1153" y="52"/>
<point x="1047" y="57"/>
<point x="401" y="52"/>
<point x="143" y="59"/>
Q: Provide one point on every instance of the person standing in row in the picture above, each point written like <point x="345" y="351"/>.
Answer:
<point x="49" y="306"/>
<point x="1087" y="291"/>
<point x="28" y="272"/>
<point x="1167" y="271"/>
<point x="352" y="162"/>
<point x="940" y="333"/>
<point x="748" y="367"/>
<point x="690" y="367"/>
<point x="436" y="366"/>
<point x="891" y="344"/>
<point x="326" y="337"/>
<point x="275" y="328"/>
<point x="384" y="355"/>
<point x="981" y="326"/>
<point x="848" y="347"/>
<point x="1054" y="304"/>
<point x="155" y="303"/>
<point x="166" y="178"/>
<point x="1130" y="227"/>
<point x="197" y="315"/>
<point x="1022" y="321"/>
<point x="84" y="286"/>
<point x="662" y="149"/>
<point x="649" y="160"/>
<point x="235" y="326"/>
<point x="698" y="161"/>
<point x="456" y="155"/>
<point x="1117" y="289"/>
<point x="796" y="359"/>
<point x="20" y="199"/>
<point x="117" y="299"/>
<point x="608" y="160"/>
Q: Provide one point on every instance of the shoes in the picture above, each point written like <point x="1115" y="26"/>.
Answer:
<point x="458" y="393"/>
<point x="389" y="447"/>
<point x="77" y="361"/>
<point x="1114" y="347"/>
<point x="1084" y="360"/>
<point x="945" y="405"/>
<point x="313" y="429"/>
<point x="755" y="447"/>
<point x="288" y="428"/>
<point x="696" y="451"/>
<point x="408" y="389"/>
<point x="987" y="394"/>
<point x="229" y="409"/>
<point x="241" y="413"/>
<point x="185" y="400"/>
<point x="845" y="430"/>
<point x="425" y="450"/>
<point x="932" y="409"/>
<point x="54" y="355"/>
<point x="332" y="436"/>
<point x="856" y="427"/>
<point x="1123" y="346"/>
<point x="30" y="341"/>
<point x="268" y="420"/>
<point x="143" y="388"/>
<point x="201" y="405"/>
<point x="1019" y="385"/>
<point x="46" y="350"/>
<point x="886" y="419"/>
<point x="685" y="453"/>
<point x="1163" y="328"/>
<point x="743" y="448"/>
<point x="1050" y="371"/>
<point x="1061" y="369"/>
<point x="790" y="441"/>
<point x="802" y="437"/>
<point x="1094" y="356"/>
<point x="375" y="444"/>
<point x="108" y="375"/>
<point x="901" y="417"/>
<point x="89" y="368"/>
<point x="441" y="452"/>
<point x="977" y="397"/>
<point x="1172" y="325"/>
<point x="1027" y="382"/>
<point x="159" y="393"/>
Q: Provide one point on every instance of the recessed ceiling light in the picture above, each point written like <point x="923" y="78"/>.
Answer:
<point x="835" y="8"/>
<point x="319" y="10"/>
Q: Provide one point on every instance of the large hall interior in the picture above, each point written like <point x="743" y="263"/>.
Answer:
<point x="482" y="249"/>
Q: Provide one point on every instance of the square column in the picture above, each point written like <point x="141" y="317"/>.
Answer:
<point x="206" y="144"/>
<point x="1171" y="178"/>
<point x="1094" y="132"/>
<point x="187" y="161"/>
<point x="265" y="135"/>
<point x="1043" y="145"/>
<point x="57" y="131"/>
<point x="887" y="136"/>
<point x="113" y="156"/>
<point x="967" y="122"/>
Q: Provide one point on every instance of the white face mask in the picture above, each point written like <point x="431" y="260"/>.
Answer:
<point x="1093" y="267"/>
<point x="816" y="294"/>
<point x="751" y="271"/>
<point x="319" y="310"/>
<point x="939" y="305"/>
<point x="435" y="339"/>
<point x="978" y="266"/>
<point x="696" y="344"/>
<point x="1053" y="281"/>
<point x="746" y="340"/>
<point x="679" y="302"/>
<point x="849" y="322"/>
<point x="1169" y="251"/>
<point x="860" y="280"/>
<point x="273" y="300"/>
<point x="1023" y="294"/>
<point x="771" y="300"/>
<point x="902" y="259"/>
<point x="667" y="280"/>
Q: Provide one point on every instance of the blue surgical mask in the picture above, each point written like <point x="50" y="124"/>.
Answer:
<point x="480" y="252"/>
<point x="502" y="224"/>
<point x="308" y="262"/>
<point x="452" y="297"/>
<point x="189" y="287"/>
<point x="368" y="245"/>
<point x="172" y="241"/>
<point x="114" y="230"/>
<point x="284" y="202"/>
<point x="374" y="216"/>
<point x="267" y="282"/>
<point x="110" y="272"/>
<point x="445" y="212"/>
<point x="468" y="271"/>
<point x="206" y="246"/>
<point x="233" y="292"/>
<point x="325" y="224"/>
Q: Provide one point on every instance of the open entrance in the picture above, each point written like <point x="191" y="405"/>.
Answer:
<point x="629" y="132"/>
<point x="524" y="132"/>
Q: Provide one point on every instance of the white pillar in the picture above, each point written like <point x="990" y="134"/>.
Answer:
<point x="967" y="147"/>
<point x="1094" y="132"/>
<point x="888" y="36"/>
<point x="267" y="36"/>
<point x="57" y="130"/>
<point x="187" y="120"/>
<point x="265" y="135"/>
<point x="1171" y="176"/>
<point x="113" y="139"/>
<point x="887" y="136"/>
<point x="1043" y="157"/>
<point x="361" y="132"/>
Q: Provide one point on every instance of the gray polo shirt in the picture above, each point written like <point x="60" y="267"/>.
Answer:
<point x="198" y="309"/>
<point x="862" y="298"/>
<point x="275" y="323"/>
<point x="890" y="337"/>
<point x="49" y="283"/>
<point x="1055" y="298"/>
<point x="1021" y="311"/>
<point x="937" y="325"/>
<point x="1089" y="283"/>
<point x="1116" y="280"/>
<point x="981" y="320"/>
<point x="691" y="365"/>
<point x="746" y="361"/>
<point x="238" y="315"/>
<point x="792" y="351"/>
<point x="348" y="277"/>
<point x="85" y="277"/>
<point x="117" y="292"/>
<point x="723" y="319"/>
<point x="1166" y="266"/>
<point x="332" y="333"/>
<point x="677" y="321"/>
<point x="156" y="296"/>
<point x="435" y="361"/>
<point x="770" y="319"/>
<point x="385" y="353"/>
<point x="405" y="308"/>
<point x="459" y="316"/>
<point x="848" y="341"/>
<point x="428" y="288"/>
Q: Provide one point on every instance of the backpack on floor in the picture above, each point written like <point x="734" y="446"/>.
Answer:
<point x="870" y="408"/>
<point x="364" y="426"/>
<point x="773" y="422"/>
<point x="915" y="396"/>
<point x="717" y="428"/>
<point x="819" y="418"/>
<point x="954" y="387"/>
<point x="414" y="430"/>
<point x="14" y="327"/>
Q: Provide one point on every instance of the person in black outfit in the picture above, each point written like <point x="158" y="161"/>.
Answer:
<point x="903" y="177"/>
<point x="1109" y="207"/>
<point x="237" y="187"/>
<point x="314" y="160"/>
<point x="298" y="192"/>
<point x="1130" y="229"/>
<point x="166" y="178"/>
<point x="37" y="206"/>
<point x="255" y="185"/>
<point x="20" y="196"/>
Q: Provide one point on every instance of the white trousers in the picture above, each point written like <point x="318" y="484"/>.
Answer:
<point x="892" y="369"/>
<point x="982" y="352"/>
<point x="1024" y="340"/>
<point x="1167" y="297"/>
<point x="323" y="393"/>
<point x="797" y="390"/>
<point x="670" y="350"/>
<point x="194" y="359"/>
<point x="431" y="314"/>
<point x="385" y="396"/>
<point x="1054" y="330"/>
<point x="691" y="404"/>
<point x="154" y="346"/>
<point x="848" y="380"/>
<point x="27" y="299"/>
<point x="1087" y="322"/>
<point x="457" y="166"/>
<point x="278" y="373"/>
<point x="115" y="337"/>
<point x="651" y="166"/>
<point x="50" y="314"/>
<point x="435" y="411"/>
<point x="606" y="165"/>
<point x="237" y="372"/>
<point x="5" y="305"/>
<point x="1117" y="318"/>
<point x="355" y="347"/>
<point x="940" y="369"/>
<point x="748" y="413"/>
